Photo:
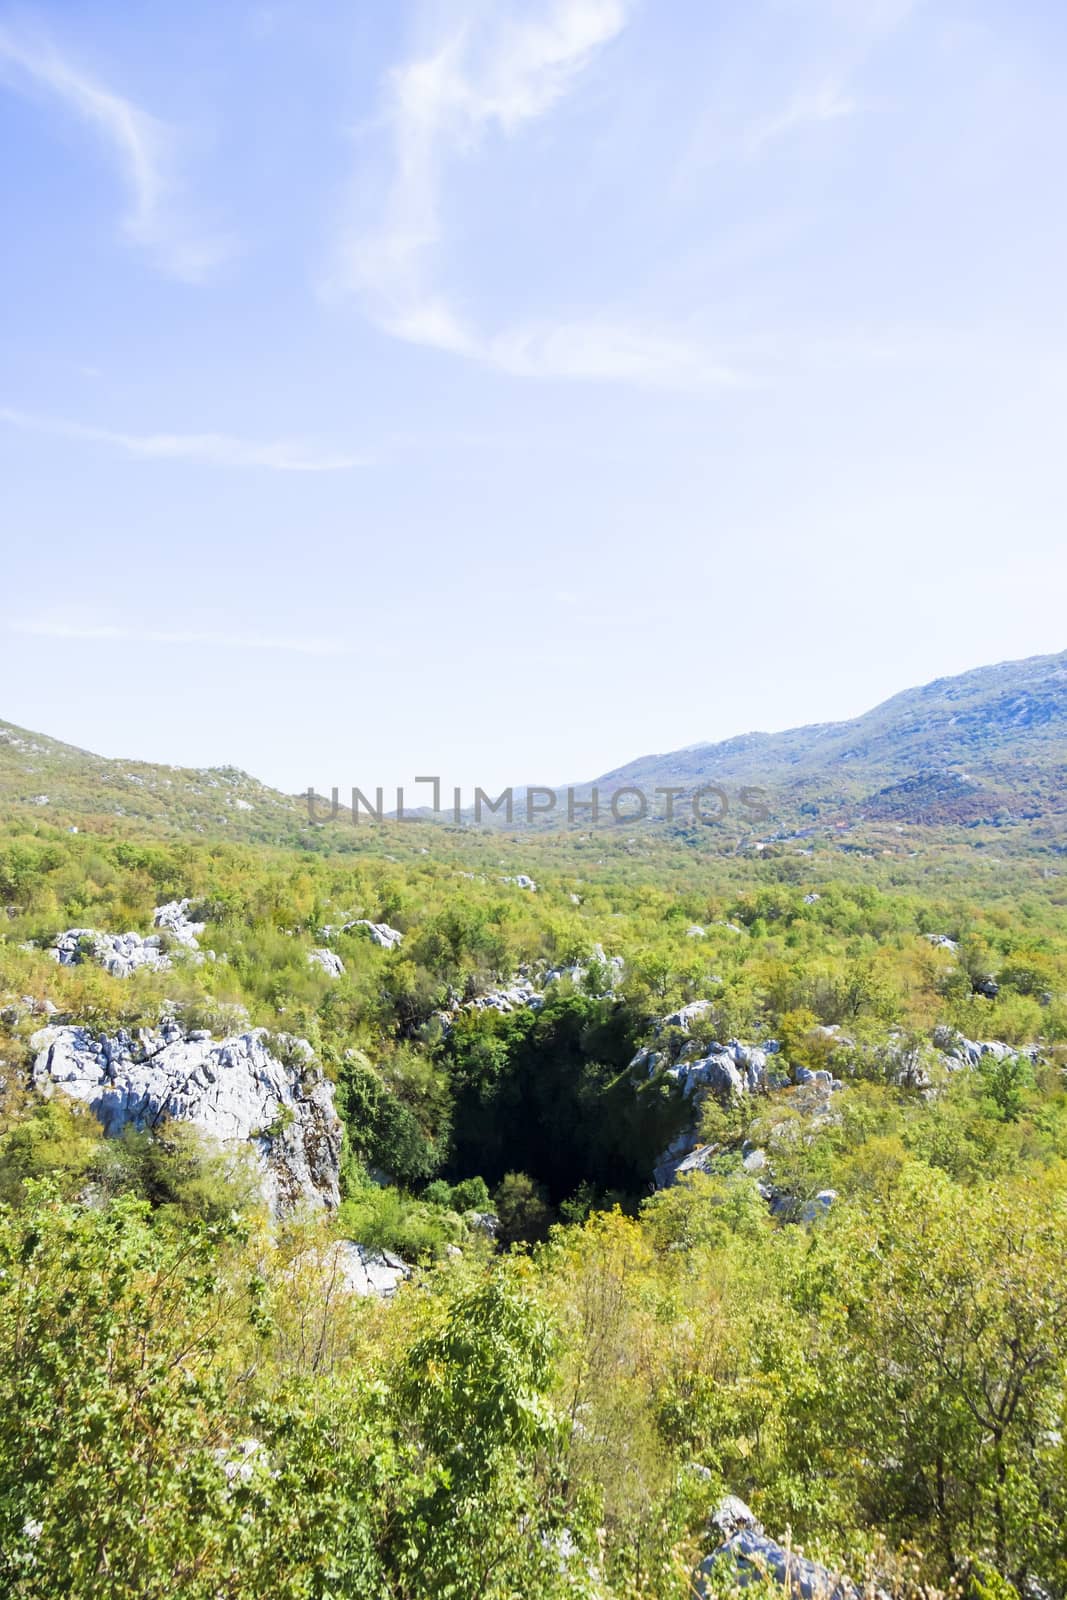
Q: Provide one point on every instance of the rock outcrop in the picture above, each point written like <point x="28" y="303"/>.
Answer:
<point x="614" y="965"/>
<point x="365" y="1271"/>
<point x="725" y="1070"/>
<point x="698" y="1069"/>
<point x="173" y="918"/>
<point x="528" y="991"/>
<point x="957" y="1051"/>
<point x="380" y="932"/>
<point x="329" y="961"/>
<point x="747" y="1556"/>
<point x="511" y="998"/>
<point x="351" y="1268"/>
<point x="120" y="954"/>
<point x="237" y="1090"/>
<point x="732" y="1068"/>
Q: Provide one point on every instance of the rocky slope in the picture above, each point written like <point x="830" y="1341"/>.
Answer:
<point x="55" y="782"/>
<point x="987" y="745"/>
<point x="239" y="1090"/>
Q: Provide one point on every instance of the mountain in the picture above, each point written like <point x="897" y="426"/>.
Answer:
<point x="61" y="784"/>
<point x="987" y="746"/>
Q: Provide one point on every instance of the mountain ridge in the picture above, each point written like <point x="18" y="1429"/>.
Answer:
<point x="998" y="732"/>
<point x="984" y="746"/>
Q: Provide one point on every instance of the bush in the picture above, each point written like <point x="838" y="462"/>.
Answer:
<point x="522" y="1208"/>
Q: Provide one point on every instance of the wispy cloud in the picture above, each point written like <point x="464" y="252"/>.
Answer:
<point x="828" y="102"/>
<point x="45" y="628"/>
<point x="143" y="147"/>
<point x="207" y="449"/>
<point x="494" y="72"/>
<point x="755" y="111"/>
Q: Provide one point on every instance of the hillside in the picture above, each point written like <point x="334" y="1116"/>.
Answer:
<point x="987" y="746"/>
<point x="44" y="779"/>
<point x="779" y="1135"/>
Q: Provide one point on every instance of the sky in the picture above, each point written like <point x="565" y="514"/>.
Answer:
<point x="507" y="388"/>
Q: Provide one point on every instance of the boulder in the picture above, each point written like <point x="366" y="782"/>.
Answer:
<point x="576" y="971"/>
<point x="787" y="1208"/>
<point x="687" y="1015"/>
<point x="750" y="1556"/>
<point x="120" y="954"/>
<point x="329" y="961"/>
<point x="731" y="1515"/>
<point x="730" y="1069"/>
<point x="956" y="1051"/>
<point x="819" y="1076"/>
<point x="357" y="1269"/>
<point x="673" y="1162"/>
<point x="380" y="932"/>
<point x="718" y="1072"/>
<point x="698" y="1160"/>
<point x="811" y="1210"/>
<point x="486" y="1222"/>
<point x="369" y="1271"/>
<point x="237" y="1090"/>
<point x="512" y="998"/>
<point x="173" y="918"/>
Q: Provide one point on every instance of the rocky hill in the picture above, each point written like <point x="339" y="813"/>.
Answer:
<point x="64" y="785"/>
<point x="987" y="746"/>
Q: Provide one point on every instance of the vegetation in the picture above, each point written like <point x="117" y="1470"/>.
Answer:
<point x="191" y="1405"/>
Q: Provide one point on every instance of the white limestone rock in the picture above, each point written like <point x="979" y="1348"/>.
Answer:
<point x="957" y="1052"/>
<point x="343" y="1266"/>
<point x="173" y="918"/>
<point x="380" y="932"/>
<point x="237" y="1090"/>
<point x="329" y="961"/>
<point x="512" y="998"/>
<point x="749" y="1556"/>
<point x="365" y="1271"/>
<point x="686" y="1015"/>
<point x="120" y="954"/>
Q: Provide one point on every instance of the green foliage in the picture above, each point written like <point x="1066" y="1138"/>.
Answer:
<point x="383" y="1131"/>
<point x="110" y="1399"/>
<point x="178" y="1168"/>
<point x="476" y="1390"/>
<point x="522" y="1208"/>
<point x="887" y="1379"/>
<point x="390" y="1219"/>
<point x="470" y="1194"/>
<point x="1006" y="1081"/>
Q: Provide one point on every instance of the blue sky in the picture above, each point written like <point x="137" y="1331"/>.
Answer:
<point x="505" y="390"/>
